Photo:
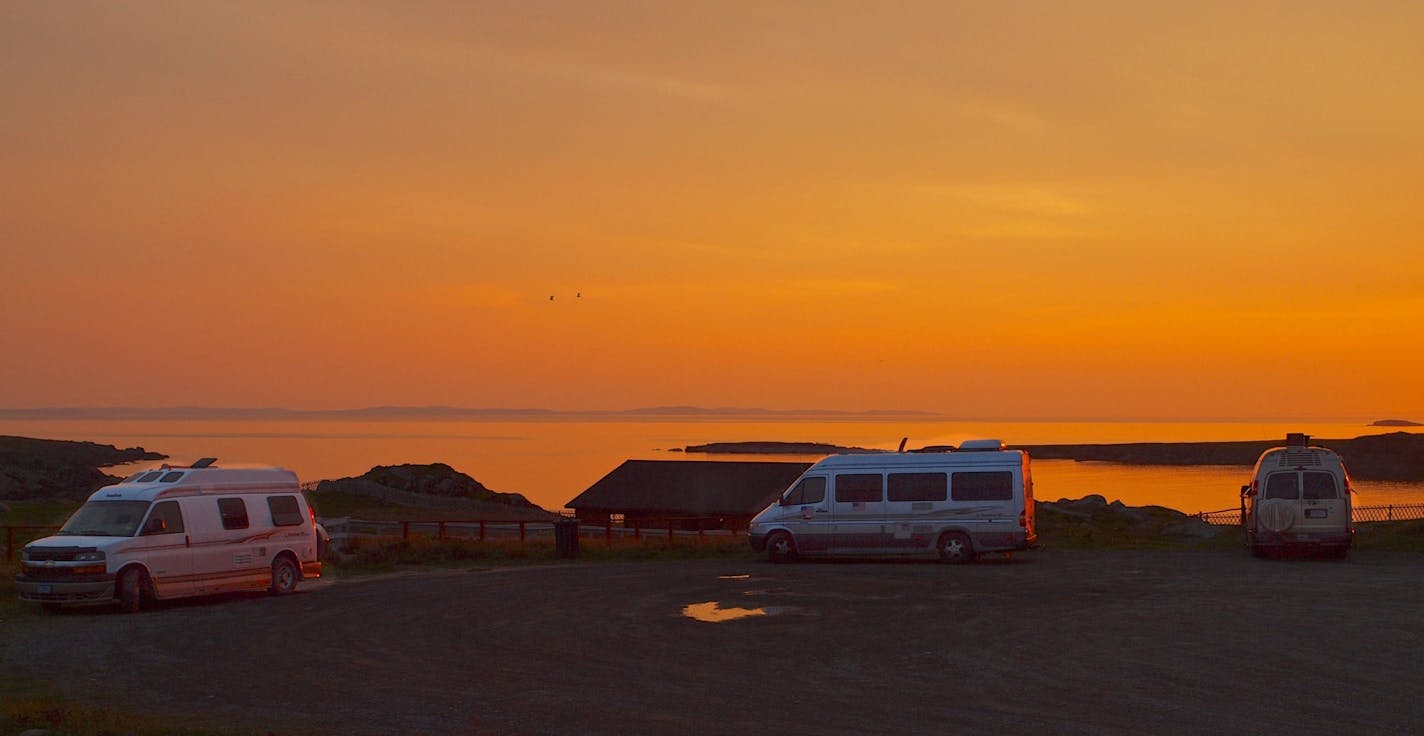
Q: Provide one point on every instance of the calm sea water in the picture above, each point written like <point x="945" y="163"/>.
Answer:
<point x="550" y="462"/>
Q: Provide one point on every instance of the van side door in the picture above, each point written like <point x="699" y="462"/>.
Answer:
<point x="858" y="512"/>
<point x="223" y="556"/>
<point x="163" y="541"/>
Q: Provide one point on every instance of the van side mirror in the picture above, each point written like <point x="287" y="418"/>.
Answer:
<point x="155" y="526"/>
<point x="1246" y="491"/>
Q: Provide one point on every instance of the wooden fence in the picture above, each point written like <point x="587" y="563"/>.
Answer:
<point x="486" y="529"/>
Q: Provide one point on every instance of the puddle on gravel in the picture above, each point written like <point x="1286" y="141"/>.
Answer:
<point x="713" y="613"/>
<point x="734" y="577"/>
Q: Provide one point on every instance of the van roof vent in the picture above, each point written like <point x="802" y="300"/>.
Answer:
<point x="1294" y="458"/>
<point x="981" y="446"/>
<point x="203" y="462"/>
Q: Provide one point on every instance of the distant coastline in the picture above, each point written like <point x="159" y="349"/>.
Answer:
<point x="438" y="413"/>
<point x="1395" y="423"/>
<point x="1393" y="456"/>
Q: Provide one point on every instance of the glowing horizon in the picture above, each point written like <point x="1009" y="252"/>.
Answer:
<point x="1099" y="210"/>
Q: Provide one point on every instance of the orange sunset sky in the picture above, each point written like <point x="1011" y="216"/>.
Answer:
<point x="1016" y="209"/>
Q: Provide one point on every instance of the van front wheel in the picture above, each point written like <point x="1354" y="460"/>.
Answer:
<point x="284" y="576"/>
<point x="955" y="549"/>
<point x="780" y="547"/>
<point x="130" y="590"/>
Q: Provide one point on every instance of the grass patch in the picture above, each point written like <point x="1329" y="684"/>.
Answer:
<point x="26" y="705"/>
<point x="1391" y="536"/>
<point x="37" y="513"/>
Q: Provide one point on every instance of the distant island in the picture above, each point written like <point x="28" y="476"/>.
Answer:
<point x="1393" y="456"/>
<point x="1395" y="423"/>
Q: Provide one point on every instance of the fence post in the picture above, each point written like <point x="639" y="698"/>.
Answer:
<point x="1391" y="513"/>
<point x="521" y="531"/>
<point x="637" y="528"/>
<point x="440" y="533"/>
<point x="608" y="530"/>
<point x="405" y="530"/>
<point x="9" y="543"/>
<point x="669" y="524"/>
<point x="482" y="530"/>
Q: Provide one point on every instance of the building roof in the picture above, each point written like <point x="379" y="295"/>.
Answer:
<point x="688" y="487"/>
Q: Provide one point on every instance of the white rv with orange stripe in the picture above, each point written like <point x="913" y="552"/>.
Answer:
<point x="176" y="532"/>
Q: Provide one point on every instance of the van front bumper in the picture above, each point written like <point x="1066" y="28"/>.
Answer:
<point x="93" y="590"/>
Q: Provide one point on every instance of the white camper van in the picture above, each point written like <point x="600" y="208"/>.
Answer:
<point x="1298" y="498"/>
<point x="960" y="504"/>
<point x="175" y="532"/>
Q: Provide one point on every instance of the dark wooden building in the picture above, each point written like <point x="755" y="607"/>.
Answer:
<point x="688" y="494"/>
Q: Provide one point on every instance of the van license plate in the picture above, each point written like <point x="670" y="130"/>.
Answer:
<point x="44" y="588"/>
<point x="1316" y="513"/>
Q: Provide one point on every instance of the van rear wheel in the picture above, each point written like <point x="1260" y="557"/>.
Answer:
<point x="780" y="547"/>
<point x="954" y="548"/>
<point x="284" y="576"/>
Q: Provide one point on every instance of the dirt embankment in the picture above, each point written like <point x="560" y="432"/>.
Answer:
<point x="1054" y="642"/>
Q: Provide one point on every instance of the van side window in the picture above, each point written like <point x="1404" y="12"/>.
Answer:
<point x="859" y="488"/>
<point x="809" y="490"/>
<point x="150" y="477"/>
<point x="918" y="486"/>
<point x="172" y="518"/>
<point x="1283" y="485"/>
<point x="1318" y="486"/>
<point x="997" y="485"/>
<point x="285" y="511"/>
<point x="233" y="512"/>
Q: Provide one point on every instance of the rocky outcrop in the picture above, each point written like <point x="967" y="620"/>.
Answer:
<point x="1093" y="520"/>
<point x="60" y="469"/>
<point x="434" y="486"/>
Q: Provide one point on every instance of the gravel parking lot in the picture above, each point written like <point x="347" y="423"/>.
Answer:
<point x="1056" y="641"/>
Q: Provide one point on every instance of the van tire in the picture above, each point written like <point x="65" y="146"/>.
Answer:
<point x="129" y="589"/>
<point x="780" y="547"/>
<point x="284" y="575"/>
<point x="954" y="548"/>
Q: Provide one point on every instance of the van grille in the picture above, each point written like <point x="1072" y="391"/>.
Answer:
<point x="59" y="554"/>
<point x="1295" y="459"/>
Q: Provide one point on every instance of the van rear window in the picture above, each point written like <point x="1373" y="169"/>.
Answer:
<point x="1318" y="486"/>
<point x="860" y="488"/>
<point x="1283" y="485"/>
<point x="285" y="511"/>
<point x="918" y="486"/>
<point x="233" y="512"/>
<point x="995" y="485"/>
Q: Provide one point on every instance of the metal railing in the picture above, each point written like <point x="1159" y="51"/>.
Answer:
<point x="1360" y="514"/>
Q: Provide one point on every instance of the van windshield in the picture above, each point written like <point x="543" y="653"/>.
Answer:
<point x="105" y="519"/>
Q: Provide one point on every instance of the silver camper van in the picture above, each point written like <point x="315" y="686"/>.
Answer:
<point x="960" y="504"/>
<point x="176" y="532"/>
<point x="1298" y="498"/>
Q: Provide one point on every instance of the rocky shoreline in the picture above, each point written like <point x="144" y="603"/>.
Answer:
<point x="60" y="469"/>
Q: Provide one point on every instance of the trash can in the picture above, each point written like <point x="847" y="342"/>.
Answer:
<point x="566" y="538"/>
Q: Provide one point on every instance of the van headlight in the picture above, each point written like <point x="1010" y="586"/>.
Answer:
<point x="92" y="556"/>
<point x="25" y="554"/>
